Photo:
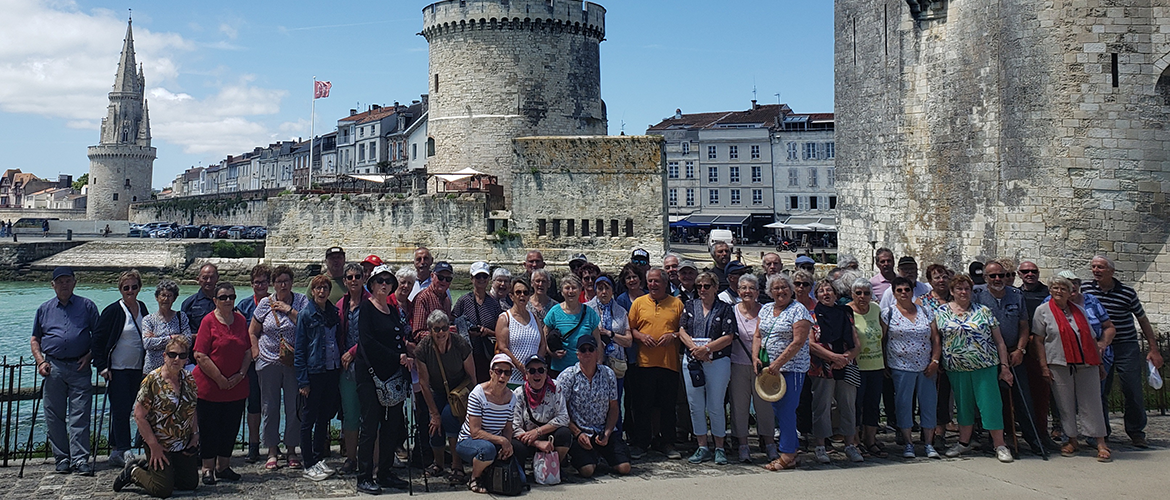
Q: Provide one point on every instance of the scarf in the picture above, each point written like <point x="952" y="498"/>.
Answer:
<point x="1083" y="351"/>
<point x="536" y="397"/>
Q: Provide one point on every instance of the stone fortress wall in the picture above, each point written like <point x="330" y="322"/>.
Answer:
<point x="1033" y="130"/>
<point x="501" y="69"/>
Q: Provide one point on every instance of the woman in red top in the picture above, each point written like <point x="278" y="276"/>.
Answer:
<point x="222" y="355"/>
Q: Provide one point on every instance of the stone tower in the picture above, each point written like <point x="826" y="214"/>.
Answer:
<point x="502" y="69"/>
<point x="1024" y="129"/>
<point x="121" y="166"/>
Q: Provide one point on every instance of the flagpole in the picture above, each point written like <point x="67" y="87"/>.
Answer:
<point x="312" y="118"/>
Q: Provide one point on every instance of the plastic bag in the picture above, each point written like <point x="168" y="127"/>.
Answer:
<point x="546" y="466"/>
<point x="1155" y="380"/>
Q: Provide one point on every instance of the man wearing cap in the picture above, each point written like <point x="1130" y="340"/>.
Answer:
<point x="369" y="263"/>
<point x="1122" y="304"/>
<point x="590" y="392"/>
<point x="422" y="267"/>
<point x="735" y="269"/>
<point x="976" y="272"/>
<point x="884" y="259"/>
<point x="576" y="262"/>
<point x="479" y="310"/>
<point x="654" y="321"/>
<point x="433" y="297"/>
<point x="61" y="347"/>
<point x="335" y="269"/>
<point x="202" y="302"/>
<point x="907" y="268"/>
<point x="720" y="257"/>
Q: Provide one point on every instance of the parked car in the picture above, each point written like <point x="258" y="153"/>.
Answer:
<point x="135" y="230"/>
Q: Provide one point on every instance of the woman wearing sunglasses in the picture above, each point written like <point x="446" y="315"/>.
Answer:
<point x="541" y="418"/>
<point x="166" y="415"/>
<point x="706" y="331"/>
<point x="160" y="326"/>
<point x="486" y="433"/>
<point x="444" y="362"/>
<point x="742" y="394"/>
<point x="913" y="353"/>
<point x="223" y="352"/>
<point x="518" y="330"/>
<point x="348" y="307"/>
<point x="318" y="367"/>
<point x="118" y="356"/>
<point x="871" y="363"/>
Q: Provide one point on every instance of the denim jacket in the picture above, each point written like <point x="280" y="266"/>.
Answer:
<point x="313" y="325"/>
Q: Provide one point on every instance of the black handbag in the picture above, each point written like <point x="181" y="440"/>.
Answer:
<point x="505" y="477"/>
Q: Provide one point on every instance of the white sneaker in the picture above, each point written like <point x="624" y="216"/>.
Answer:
<point x="854" y="454"/>
<point x="318" y="472"/>
<point x="908" y="451"/>
<point x="326" y="468"/>
<point x="822" y="455"/>
<point x="1004" y="454"/>
<point x="958" y="449"/>
<point x="931" y="452"/>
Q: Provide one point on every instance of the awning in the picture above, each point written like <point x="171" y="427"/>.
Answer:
<point x="683" y="223"/>
<point x="718" y="220"/>
<point x="371" y="177"/>
<point x="460" y="175"/>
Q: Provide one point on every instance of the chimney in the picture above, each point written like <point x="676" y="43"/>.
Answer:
<point x="352" y="111"/>
<point x="375" y="107"/>
<point x="755" y="105"/>
<point x="677" y="114"/>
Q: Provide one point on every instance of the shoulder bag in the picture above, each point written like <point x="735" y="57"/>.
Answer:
<point x="504" y="477"/>
<point x="556" y="337"/>
<point x="456" y="398"/>
<point x="391" y="391"/>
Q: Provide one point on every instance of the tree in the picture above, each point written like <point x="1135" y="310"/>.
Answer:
<point x="81" y="181"/>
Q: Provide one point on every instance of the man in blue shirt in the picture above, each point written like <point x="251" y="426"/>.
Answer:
<point x="61" y="346"/>
<point x="202" y="302"/>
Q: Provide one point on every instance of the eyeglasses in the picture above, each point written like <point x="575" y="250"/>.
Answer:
<point x="862" y="293"/>
<point x="1029" y="271"/>
<point x="226" y="297"/>
<point x="260" y="283"/>
<point x="130" y="288"/>
<point x="586" y="348"/>
<point x="502" y="373"/>
<point x="353" y="277"/>
<point x="445" y="279"/>
<point x="902" y="290"/>
<point x="534" y="371"/>
<point x="322" y="287"/>
<point x="996" y="276"/>
<point x="383" y="281"/>
<point x="801" y="283"/>
<point x="283" y="282"/>
<point x="521" y="292"/>
<point x="704" y="286"/>
<point x="176" y="355"/>
<point x="440" y="328"/>
<point x="480" y="277"/>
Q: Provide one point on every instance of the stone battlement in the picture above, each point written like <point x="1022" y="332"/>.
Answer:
<point x="122" y="151"/>
<point x="570" y="16"/>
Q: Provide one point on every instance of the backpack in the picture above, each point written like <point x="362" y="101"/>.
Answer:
<point x="505" y="477"/>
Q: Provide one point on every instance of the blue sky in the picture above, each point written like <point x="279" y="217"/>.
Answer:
<point x="223" y="77"/>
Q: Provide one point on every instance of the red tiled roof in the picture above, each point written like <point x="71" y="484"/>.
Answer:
<point x="369" y="116"/>
<point x="764" y="114"/>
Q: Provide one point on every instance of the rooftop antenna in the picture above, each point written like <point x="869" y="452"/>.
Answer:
<point x="131" y="16"/>
<point x="753" y="88"/>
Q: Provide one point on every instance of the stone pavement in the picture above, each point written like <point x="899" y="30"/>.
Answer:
<point x="1134" y="473"/>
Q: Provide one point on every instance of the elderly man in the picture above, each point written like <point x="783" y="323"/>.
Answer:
<point x="734" y="269"/>
<point x="1007" y="304"/>
<point x="671" y="264"/>
<point x="434" y="297"/>
<point x="60" y="345"/>
<point x="881" y="281"/>
<point x="335" y="269"/>
<point x="535" y="260"/>
<point x="907" y="268"/>
<point x="590" y="392"/>
<point x="654" y="321"/>
<point x="687" y="272"/>
<point x="720" y="257"/>
<point x="422" y="267"/>
<point x="1122" y="304"/>
<point x="1034" y="290"/>
<point x="772" y="265"/>
<point x="202" y="302"/>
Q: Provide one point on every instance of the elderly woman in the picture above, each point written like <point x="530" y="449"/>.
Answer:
<point x="783" y="333"/>
<point x="573" y="320"/>
<point x="318" y="367"/>
<point x="444" y="363"/>
<point x="540" y="420"/>
<point x="973" y="353"/>
<point x="938" y="275"/>
<point x="261" y="281"/>
<point x="588" y="272"/>
<point x="706" y="331"/>
<point x="223" y="352"/>
<point x="870" y="361"/>
<point x="742" y="386"/>
<point x="518" y="331"/>
<point x="833" y="346"/>
<point x="1072" y="365"/>
<point x="634" y="280"/>
<point x="486" y="433"/>
<point x="400" y="299"/>
<point x="614" y="327"/>
<point x="481" y="311"/>
<point x="501" y="281"/>
<point x="540" y="303"/>
<point x="802" y="287"/>
<point x="348" y="309"/>
<point x="381" y="354"/>
<point x="158" y="328"/>
<point x="274" y="331"/>
<point x="912" y="353"/>
<point x="165" y="414"/>
<point x="118" y="357"/>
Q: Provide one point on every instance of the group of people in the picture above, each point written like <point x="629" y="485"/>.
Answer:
<point x="5" y="228"/>
<point x="590" y="368"/>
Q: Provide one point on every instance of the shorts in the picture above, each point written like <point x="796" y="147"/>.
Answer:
<point x="615" y="453"/>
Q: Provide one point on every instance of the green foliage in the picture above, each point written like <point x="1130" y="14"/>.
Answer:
<point x="81" y="181"/>
<point x="452" y="196"/>
<point x="232" y="249"/>
<point x="284" y="192"/>
<point x="400" y="196"/>
<point x="193" y="206"/>
<point x="326" y="197"/>
<point x="505" y="235"/>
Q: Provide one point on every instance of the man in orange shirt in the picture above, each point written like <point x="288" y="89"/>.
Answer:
<point x="654" y="319"/>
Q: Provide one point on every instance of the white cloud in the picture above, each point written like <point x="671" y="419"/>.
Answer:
<point x="217" y="124"/>
<point x="229" y="30"/>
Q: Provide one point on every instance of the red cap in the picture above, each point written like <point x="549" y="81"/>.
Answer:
<point x="373" y="259"/>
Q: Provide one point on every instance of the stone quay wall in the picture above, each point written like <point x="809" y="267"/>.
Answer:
<point x="248" y="212"/>
<point x="1032" y="130"/>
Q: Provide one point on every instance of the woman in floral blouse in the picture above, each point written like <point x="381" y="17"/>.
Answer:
<point x="973" y="353"/>
<point x="783" y="333"/>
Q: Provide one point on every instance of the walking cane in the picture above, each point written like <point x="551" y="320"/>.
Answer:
<point x="1028" y="414"/>
<point x="32" y="428"/>
<point x="1010" y="425"/>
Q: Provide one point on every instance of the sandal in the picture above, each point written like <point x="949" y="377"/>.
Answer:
<point x="434" y="471"/>
<point x="781" y="464"/>
<point x="1069" y="449"/>
<point x="876" y="451"/>
<point x="457" y="476"/>
<point x="1104" y="455"/>
<point x="272" y="464"/>
<point x="474" y="486"/>
<point x="294" y="463"/>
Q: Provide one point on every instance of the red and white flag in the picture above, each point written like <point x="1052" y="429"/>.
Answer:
<point x="321" y="89"/>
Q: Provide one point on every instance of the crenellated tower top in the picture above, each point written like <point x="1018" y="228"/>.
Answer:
<point x="571" y="16"/>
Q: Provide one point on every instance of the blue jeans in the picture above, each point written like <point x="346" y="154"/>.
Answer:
<point x="785" y="411"/>
<point x="906" y="384"/>
<point x="1130" y="367"/>
<point x="68" y="397"/>
<point x="707" y="401"/>
<point x="476" y="449"/>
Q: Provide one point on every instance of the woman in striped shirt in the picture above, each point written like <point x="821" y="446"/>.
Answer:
<point x="485" y="434"/>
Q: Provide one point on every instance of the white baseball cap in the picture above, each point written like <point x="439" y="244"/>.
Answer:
<point x="481" y="267"/>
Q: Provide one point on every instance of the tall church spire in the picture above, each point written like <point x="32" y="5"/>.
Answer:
<point x="127" y="78"/>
